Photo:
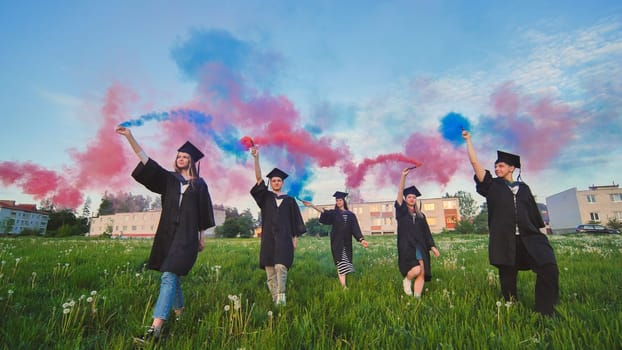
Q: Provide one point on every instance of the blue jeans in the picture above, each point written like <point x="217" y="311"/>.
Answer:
<point x="170" y="296"/>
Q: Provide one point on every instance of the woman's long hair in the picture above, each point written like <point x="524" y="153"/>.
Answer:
<point x="192" y="170"/>
<point x="345" y="205"/>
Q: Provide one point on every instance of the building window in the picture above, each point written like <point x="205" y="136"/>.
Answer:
<point x="431" y="221"/>
<point x="388" y="221"/>
<point x="617" y="215"/>
<point x="428" y="207"/>
<point x="591" y="198"/>
<point x="133" y="227"/>
<point x="449" y="205"/>
<point x="594" y="217"/>
<point x="616" y="197"/>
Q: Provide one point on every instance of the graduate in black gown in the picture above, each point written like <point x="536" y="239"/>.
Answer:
<point x="281" y="224"/>
<point x="344" y="226"/>
<point x="414" y="239"/>
<point x="186" y="214"/>
<point x="514" y="221"/>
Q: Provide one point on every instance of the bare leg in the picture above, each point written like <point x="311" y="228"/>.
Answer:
<point x="407" y="282"/>
<point x="419" y="281"/>
<point x="342" y="280"/>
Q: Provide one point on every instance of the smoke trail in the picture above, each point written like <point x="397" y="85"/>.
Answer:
<point x="355" y="174"/>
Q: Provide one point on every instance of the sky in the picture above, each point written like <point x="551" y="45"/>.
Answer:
<point x="341" y="95"/>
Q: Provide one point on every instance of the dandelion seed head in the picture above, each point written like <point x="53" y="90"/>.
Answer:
<point x="17" y="260"/>
<point x="565" y="269"/>
<point x="66" y="264"/>
<point x="93" y="292"/>
<point x="72" y="303"/>
<point x="498" y="304"/>
<point x="65" y="305"/>
<point x="227" y="308"/>
<point x="508" y="304"/>
<point x="10" y="291"/>
<point x="270" y="313"/>
<point x="82" y="297"/>
<point x="66" y="311"/>
<point x="89" y="299"/>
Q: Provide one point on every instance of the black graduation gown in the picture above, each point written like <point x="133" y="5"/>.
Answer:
<point x="341" y="232"/>
<point x="502" y="219"/>
<point x="176" y="242"/>
<point x="411" y="235"/>
<point x="279" y="225"/>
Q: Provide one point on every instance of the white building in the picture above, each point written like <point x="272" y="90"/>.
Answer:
<point x="138" y="224"/>
<point x="15" y="218"/>
<point x="572" y="207"/>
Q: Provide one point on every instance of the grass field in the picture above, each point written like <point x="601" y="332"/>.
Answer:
<point x="96" y="294"/>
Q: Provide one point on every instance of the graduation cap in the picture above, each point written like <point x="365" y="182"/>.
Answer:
<point x="276" y="172"/>
<point x="411" y="190"/>
<point x="191" y="149"/>
<point x="339" y="195"/>
<point x="508" y="158"/>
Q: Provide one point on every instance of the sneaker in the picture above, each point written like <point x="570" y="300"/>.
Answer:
<point x="151" y="335"/>
<point x="407" y="286"/>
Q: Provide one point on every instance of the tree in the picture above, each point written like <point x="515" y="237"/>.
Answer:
<point x="468" y="206"/>
<point x="7" y="225"/>
<point x="236" y="225"/>
<point x="614" y="223"/>
<point x="315" y="228"/>
<point x="123" y="202"/>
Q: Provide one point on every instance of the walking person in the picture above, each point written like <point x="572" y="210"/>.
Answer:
<point x="281" y="224"/>
<point x="186" y="215"/>
<point x="514" y="222"/>
<point x="344" y="226"/>
<point x="414" y="240"/>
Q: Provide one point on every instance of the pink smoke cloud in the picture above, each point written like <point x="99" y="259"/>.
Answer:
<point x="535" y="126"/>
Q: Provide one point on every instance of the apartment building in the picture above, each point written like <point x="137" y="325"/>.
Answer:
<point x="378" y="218"/>
<point x="15" y="218"/>
<point x="139" y="224"/>
<point x="573" y="207"/>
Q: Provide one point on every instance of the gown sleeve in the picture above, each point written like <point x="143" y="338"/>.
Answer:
<point x="327" y="217"/>
<point x="152" y="176"/>
<point x="356" y="229"/>
<point x="483" y="187"/>
<point x="259" y="193"/>
<point x="206" y="210"/>
<point x="298" y="225"/>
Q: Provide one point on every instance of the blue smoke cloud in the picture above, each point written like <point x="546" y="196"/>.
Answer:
<point x="451" y="127"/>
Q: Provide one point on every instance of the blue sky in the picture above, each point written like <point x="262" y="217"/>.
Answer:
<point x="370" y="77"/>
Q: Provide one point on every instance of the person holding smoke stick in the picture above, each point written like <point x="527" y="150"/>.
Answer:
<point x="187" y="213"/>
<point x="414" y="239"/>
<point x="514" y="221"/>
<point x="344" y="226"/>
<point x="281" y="225"/>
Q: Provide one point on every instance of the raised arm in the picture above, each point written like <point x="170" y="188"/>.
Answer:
<point x="255" y="154"/>
<point x="311" y="205"/>
<point x="400" y="190"/>
<point x="477" y="168"/>
<point x="132" y="141"/>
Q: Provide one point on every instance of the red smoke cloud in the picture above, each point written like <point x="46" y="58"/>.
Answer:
<point x="356" y="173"/>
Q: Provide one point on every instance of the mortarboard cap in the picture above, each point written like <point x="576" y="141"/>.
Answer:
<point x="276" y="172"/>
<point x="411" y="190"/>
<point x="508" y="158"/>
<point x="339" y="194"/>
<point x="194" y="152"/>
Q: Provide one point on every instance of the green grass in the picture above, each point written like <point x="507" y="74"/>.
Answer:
<point x="108" y="297"/>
